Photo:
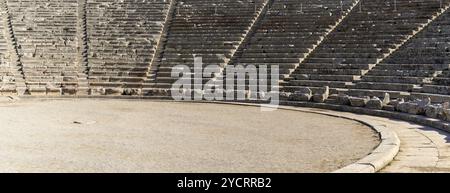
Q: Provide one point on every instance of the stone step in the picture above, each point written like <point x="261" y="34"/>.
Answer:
<point x="442" y="80"/>
<point x="343" y="60"/>
<point x="292" y="89"/>
<point x="401" y="73"/>
<point x="301" y="71"/>
<point x="268" y="60"/>
<point x="436" y="89"/>
<point x="397" y="79"/>
<point x="344" y="78"/>
<point x="318" y="83"/>
<point x="412" y="66"/>
<point x="335" y="66"/>
<point x="350" y="55"/>
<point x="435" y="98"/>
<point x="376" y="93"/>
<point x="115" y="79"/>
<point x="385" y="86"/>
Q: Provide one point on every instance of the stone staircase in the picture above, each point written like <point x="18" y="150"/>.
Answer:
<point x="11" y="69"/>
<point x="161" y="46"/>
<point x="288" y="33"/>
<point x="207" y="29"/>
<point x="437" y="50"/>
<point x="83" y="50"/>
<point x="370" y="33"/>
<point x="123" y="37"/>
<point x="104" y="47"/>
<point x="413" y="64"/>
<point x="46" y="37"/>
<point x="246" y="40"/>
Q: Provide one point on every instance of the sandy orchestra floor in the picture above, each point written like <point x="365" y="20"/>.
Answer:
<point x="87" y="135"/>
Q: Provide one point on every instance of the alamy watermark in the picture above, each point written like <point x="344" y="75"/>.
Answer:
<point x="230" y="83"/>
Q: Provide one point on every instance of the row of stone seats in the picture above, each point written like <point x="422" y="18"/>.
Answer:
<point x="414" y="64"/>
<point x="7" y="80"/>
<point x="122" y="38"/>
<point x="363" y="39"/>
<point x="288" y="31"/>
<point x="411" y="106"/>
<point x="211" y="29"/>
<point x="440" y="83"/>
<point x="46" y="35"/>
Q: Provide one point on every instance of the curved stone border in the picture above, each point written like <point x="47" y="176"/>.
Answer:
<point x="418" y="119"/>
<point x="380" y="157"/>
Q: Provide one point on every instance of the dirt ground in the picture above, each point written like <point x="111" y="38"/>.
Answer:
<point x="88" y="135"/>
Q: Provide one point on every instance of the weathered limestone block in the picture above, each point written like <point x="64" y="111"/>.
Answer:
<point x="425" y="102"/>
<point x="304" y="97"/>
<point x="69" y="90"/>
<point x="416" y="107"/>
<point x="150" y="92"/>
<point x="53" y="90"/>
<point x="396" y="102"/>
<point x="303" y="94"/>
<point x="441" y="114"/>
<point x="299" y="96"/>
<point x="375" y="103"/>
<point x="37" y="90"/>
<point x="386" y="99"/>
<point x="285" y="95"/>
<point x="114" y="91"/>
<point x="326" y="90"/>
<point x="447" y="114"/>
<point x="410" y="107"/>
<point x="323" y="95"/>
<point x="437" y="111"/>
<point x="157" y="92"/>
<point x="136" y="92"/>
<point x="305" y="90"/>
<point x="320" y="98"/>
<point x="69" y="79"/>
<point x="82" y="91"/>
<point x="127" y="91"/>
<point x="402" y="107"/>
<point x="163" y="92"/>
<point x="98" y="91"/>
<point x="432" y="111"/>
<point x="132" y="91"/>
<point x="342" y="99"/>
<point x="388" y="108"/>
<point x="359" y="102"/>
